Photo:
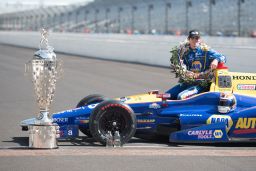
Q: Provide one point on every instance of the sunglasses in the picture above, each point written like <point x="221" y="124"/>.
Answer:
<point x="196" y="38"/>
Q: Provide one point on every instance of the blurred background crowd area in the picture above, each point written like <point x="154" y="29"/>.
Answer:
<point x="173" y="17"/>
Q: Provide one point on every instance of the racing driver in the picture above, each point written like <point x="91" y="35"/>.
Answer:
<point x="197" y="60"/>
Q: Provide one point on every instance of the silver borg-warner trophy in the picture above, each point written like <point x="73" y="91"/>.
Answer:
<point x="45" y="68"/>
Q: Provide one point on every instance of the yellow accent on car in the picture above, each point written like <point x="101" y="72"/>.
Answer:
<point x="140" y="98"/>
<point x="241" y="83"/>
<point x="246" y="123"/>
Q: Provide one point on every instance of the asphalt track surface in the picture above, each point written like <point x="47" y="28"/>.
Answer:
<point x="83" y="76"/>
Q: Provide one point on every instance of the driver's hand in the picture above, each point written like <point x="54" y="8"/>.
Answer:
<point x="196" y="75"/>
<point x="214" y="64"/>
<point x="191" y="74"/>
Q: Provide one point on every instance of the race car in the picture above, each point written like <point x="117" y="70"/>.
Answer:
<point x="196" y="119"/>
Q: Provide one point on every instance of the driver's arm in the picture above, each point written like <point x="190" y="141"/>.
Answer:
<point x="215" y="57"/>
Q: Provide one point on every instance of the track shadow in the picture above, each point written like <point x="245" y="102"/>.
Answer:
<point x="22" y="141"/>
<point x="88" y="141"/>
<point x="78" y="141"/>
<point x="158" y="139"/>
<point x="229" y="144"/>
<point x="151" y="139"/>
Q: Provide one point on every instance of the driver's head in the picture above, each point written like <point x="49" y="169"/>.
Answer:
<point x="193" y="38"/>
<point x="227" y="103"/>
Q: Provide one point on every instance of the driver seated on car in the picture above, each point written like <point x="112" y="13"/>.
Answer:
<point x="195" y="61"/>
<point x="227" y="103"/>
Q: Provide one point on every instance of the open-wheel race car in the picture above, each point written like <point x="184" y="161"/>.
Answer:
<point x="196" y="119"/>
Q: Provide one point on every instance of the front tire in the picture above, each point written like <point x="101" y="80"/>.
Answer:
<point x="94" y="98"/>
<point x="112" y="116"/>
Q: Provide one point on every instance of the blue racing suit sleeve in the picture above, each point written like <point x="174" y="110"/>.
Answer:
<point x="215" y="55"/>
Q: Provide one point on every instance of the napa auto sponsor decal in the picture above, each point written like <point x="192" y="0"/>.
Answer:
<point x="246" y="87"/>
<point x="245" y="126"/>
<point x="206" y="134"/>
<point x="221" y="118"/>
<point x="218" y="133"/>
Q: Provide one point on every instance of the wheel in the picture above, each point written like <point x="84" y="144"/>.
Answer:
<point x="94" y="98"/>
<point x="112" y="116"/>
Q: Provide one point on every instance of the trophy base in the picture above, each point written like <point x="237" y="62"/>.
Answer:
<point x="43" y="136"/>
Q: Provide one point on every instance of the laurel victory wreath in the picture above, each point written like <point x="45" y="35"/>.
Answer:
<point x="180" y="70"/>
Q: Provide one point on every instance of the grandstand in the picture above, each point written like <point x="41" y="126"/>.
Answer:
<point x="213" y="17"/>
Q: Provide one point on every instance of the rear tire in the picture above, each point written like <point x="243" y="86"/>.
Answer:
<point x="94" y="98"/>
<point x="112" y="116"/>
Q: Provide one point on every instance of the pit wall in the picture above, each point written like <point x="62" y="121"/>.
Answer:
<point x="146" y="49"/>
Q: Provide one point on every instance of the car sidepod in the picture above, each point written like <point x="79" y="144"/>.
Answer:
<point x="207" y="133"/>
<point x="244" y="127"/>
<point x="235" y="126"/>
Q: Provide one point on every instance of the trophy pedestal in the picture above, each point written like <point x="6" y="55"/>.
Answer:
<point x="43" y="136"/>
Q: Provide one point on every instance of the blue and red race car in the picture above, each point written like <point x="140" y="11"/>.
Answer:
<point x="195" y="119"/>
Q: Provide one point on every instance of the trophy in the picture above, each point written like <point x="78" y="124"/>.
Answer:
<point x="44" y="69"/>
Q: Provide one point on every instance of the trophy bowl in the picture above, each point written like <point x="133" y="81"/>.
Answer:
<point x="43" y="69"/>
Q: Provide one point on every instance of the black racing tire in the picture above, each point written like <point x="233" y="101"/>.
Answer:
<point x="94" y="98"/>
<point x="112" y="116"/>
